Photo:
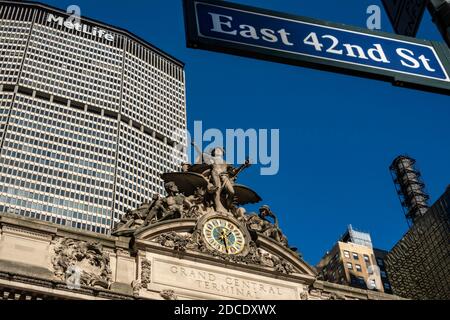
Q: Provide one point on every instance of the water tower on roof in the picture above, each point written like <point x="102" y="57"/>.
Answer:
<point x="410" y="188"/>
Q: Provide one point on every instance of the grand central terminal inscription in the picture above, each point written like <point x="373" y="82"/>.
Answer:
<point x="218" y="281"/>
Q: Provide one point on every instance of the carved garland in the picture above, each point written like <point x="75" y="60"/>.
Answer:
<point x="146" y="273"/>
<point x="146" y="276"/>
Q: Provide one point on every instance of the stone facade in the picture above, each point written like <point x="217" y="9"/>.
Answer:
<point x="38" y="261"/>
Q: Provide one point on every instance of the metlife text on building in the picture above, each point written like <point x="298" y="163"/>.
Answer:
<point x="88" y="114"/>
<point x="84" y="28"/>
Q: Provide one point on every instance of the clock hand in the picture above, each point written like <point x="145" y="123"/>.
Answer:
<point x="224" y="238"/>
<point x="226" y="245"/>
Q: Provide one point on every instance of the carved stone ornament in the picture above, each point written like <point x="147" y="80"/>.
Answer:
<point x="304" y="295"/>
<point x="194" y="242"/>
<point x="337" y="296"/>
<point x="168" y="295"/>
<point x="207" y="191"/>
<point x="323" y="295"/>
<point x="146" y="277"/>
<point x="206" y="187"/>
<point x="137" y="286"/>
<point x="87" y="258"/>
<point x="315" y="293"/>
<point x="146" y="272"/>
<point x="176" y="241"/>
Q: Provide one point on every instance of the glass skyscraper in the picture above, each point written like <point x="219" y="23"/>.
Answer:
<point x="90" y="116"/>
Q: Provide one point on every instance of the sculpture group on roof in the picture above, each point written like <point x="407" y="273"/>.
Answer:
<point x="207" y="186"/>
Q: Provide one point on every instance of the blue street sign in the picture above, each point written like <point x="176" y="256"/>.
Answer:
<point x="242" y="30"/>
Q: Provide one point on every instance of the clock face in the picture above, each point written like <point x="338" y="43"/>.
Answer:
<point x="224" y="236"/>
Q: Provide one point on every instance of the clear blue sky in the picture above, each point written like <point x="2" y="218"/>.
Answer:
<point x="338" y="133"/>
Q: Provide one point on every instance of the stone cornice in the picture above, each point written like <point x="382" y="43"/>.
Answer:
<point x="57" y="289"/>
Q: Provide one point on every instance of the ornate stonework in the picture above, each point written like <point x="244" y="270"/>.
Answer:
<point x="205" y="188"/>
<point x="208" y="190"/>
<point x="183" y="242"/>
<point x="168" y="295"/>
<point x="87" y="257"/>
<point x="176" y="241"/>
<point x="146" y="272"/>
<point x="146" y="277"/>
<point x="303" y="295"/>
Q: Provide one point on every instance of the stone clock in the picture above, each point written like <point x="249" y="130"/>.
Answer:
<point x="224" y="234"/>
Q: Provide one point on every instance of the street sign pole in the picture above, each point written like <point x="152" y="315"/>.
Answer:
<point x="440" y="12"/>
